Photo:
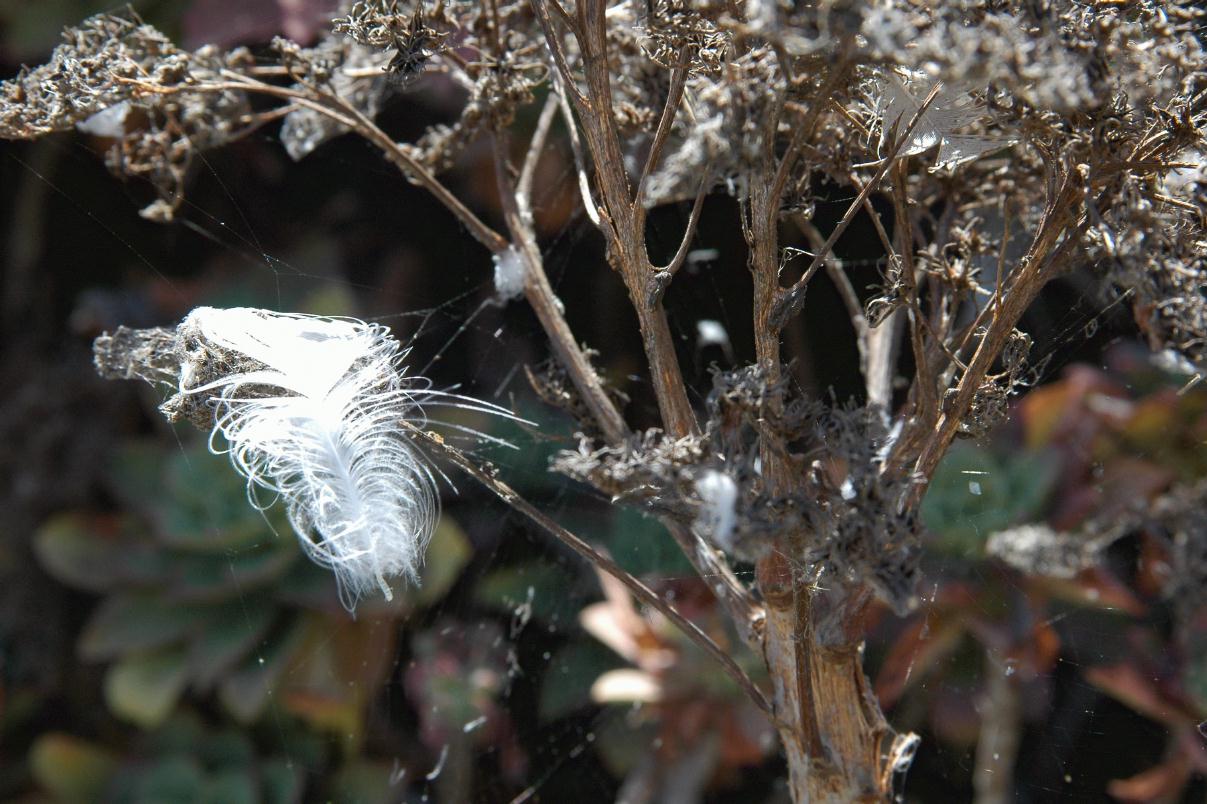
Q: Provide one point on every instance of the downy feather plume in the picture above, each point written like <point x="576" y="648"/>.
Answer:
<point x="954" y="108"/>
<point x="310" y="408"/>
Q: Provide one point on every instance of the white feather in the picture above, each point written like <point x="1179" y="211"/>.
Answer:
<point x="952" y="109"/>
<point x="315" y="419"/>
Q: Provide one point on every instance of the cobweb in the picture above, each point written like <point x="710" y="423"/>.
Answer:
<point x="491" y="689"/>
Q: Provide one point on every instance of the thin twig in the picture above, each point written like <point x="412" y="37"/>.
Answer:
<point x="536" y="147"/>
<point x="1046" y="251"/>
<point x="484" y="475"/>
<point x="792" y="298"/>
<point x="544" y="303"/>
<point x="348" y="116"/>
<point x="882" y="340"/>
<point x="674" y="97"/>
<point x="576" y="148"/>
<point x="556" y="47"/>
<point x="877" y="223"/>
<point x="846" y="290"/>
<point x="616" y="219"/>
<point x="995" y="302"/>
<point x="662" y="277"/>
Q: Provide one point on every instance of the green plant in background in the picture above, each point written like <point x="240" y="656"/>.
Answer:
<point x="977" y="491"/>
<point x="1022" y="527"/>
<point x="180" y="760"/>
<point x="203" y="597"/>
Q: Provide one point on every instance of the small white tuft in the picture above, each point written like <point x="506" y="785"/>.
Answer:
<point x="1181" y="182"/>
<point x="108" y="122"/>
<point x="713" y="333"/>
<point x="510" y="272"/>
<point x="719" y="494"/>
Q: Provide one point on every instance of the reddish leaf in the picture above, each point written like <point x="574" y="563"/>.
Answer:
<point x="1128" y="685"/>
<point x="1153" y="568"/>
<point x="1057" y="412"/>
<point x="1160" y="783"/>
<point x="1037" y="653"/>
<point x="1095" y="587"/>
<point x="232" y="22"/>
<point x="919" y="647"/>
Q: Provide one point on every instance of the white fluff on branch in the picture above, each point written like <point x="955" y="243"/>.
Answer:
<point x="510" y="273"/>
<point x="313" y="414"/>
<point x="717" y="517"/>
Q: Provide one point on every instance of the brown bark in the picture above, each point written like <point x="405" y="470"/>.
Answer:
<point x="838" y="745"/>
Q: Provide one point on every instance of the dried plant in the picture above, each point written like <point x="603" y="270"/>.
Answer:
<point x="1013" y="142"/>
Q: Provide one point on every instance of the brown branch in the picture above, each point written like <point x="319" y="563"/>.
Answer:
<point x="484" y="475"/>
<point x="616" y="218"/>
<point x="924" y="381"/>
<point x="536" y="147"/>
<point x="540" y="296"/>
<point x="674" y="97"/>
<point x="556" y="48"/>
<point x="662" y="277"/>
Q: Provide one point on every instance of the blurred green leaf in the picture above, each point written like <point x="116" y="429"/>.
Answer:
<point x="973" y="494"/>
<point x="95" y="553"/>
<point x="637" y="542"/>
<point x="206" y="507"/>
<point x="225" y="749"/>
<point x="234" y="630"/>
<point x="136" y="469"/>
<point x="178" y="734"/>
<point x="143" y="687"/>
<point x="124" y="623"/>
<point x="308" y="586"/>
<point x="178" y="780"/>
<point x="566" y="685"/>
<point x="547" y="588"/>
<point x="447" y="554"/>
<point x="69" y="768"/>
<point x="621" y="745"/>
<point x="527" y="468"/>
<point x="245" y="692"/>
<point x="1196" y="678"/>
<point x="209" y="577"/>
<point x="229" y="787"/>
<point x="280" y="782"/>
